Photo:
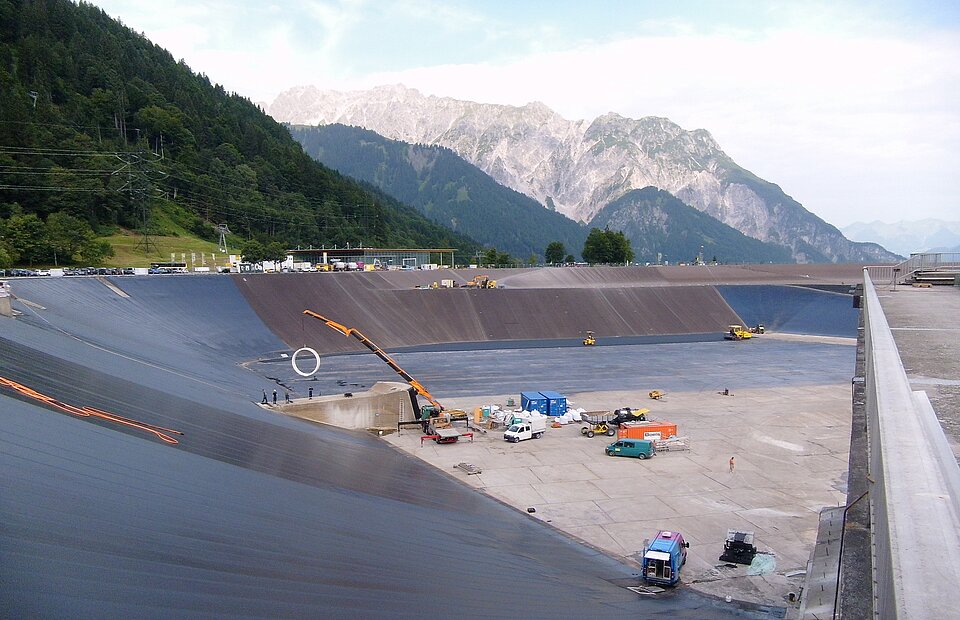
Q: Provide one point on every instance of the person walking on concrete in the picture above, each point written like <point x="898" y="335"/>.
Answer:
<point x="732" y="464"/>
<point x="264" y="401"/>
<point x="310" y="393"/>
<point x="286" y="396"/>
<point x="274" y="397"/>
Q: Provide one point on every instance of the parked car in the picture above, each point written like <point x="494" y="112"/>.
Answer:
<point x="637" y="448"/>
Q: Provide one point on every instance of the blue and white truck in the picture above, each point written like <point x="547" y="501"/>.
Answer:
<point x="664" y="558"/>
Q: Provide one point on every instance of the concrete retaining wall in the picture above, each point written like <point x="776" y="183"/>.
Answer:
<point x="385" y="404"/>
<point x="915" y="496"/>
<point x="410" y="317"/>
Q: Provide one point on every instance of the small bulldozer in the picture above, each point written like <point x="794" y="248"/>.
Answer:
<point x="481" y="282"/>
<point x="737" y="332"/>
<point x="590" y="340"/>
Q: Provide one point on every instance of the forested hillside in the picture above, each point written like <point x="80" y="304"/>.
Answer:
<point x="655" y="222"/>
<point x="444" y="187"/>
<point x="100" y="128"/>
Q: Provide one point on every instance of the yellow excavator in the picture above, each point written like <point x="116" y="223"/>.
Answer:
<point x="434" y="417"/>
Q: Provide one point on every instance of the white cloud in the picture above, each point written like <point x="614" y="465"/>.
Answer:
<point x="852" y="116"/>
<point x="815" y="113"/>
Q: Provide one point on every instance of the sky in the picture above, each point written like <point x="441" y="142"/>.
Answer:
<point x="852" y="108"/>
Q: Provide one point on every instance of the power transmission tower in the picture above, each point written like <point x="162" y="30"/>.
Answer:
<point x="137" y="188"/>
<point x="224" y="230"/>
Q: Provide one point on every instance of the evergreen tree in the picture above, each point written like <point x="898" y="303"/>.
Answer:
<point x="102" y="125"/>
<point x="607" y="247"/>
<point x="554" y="253"/>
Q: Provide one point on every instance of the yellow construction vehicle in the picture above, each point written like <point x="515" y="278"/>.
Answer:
<point x="481" y="282"/>
<point x="656" y="394"/>
<point x="433" y="417"/>
<point x="590" y="340"/>
<point x="737" y="332"/>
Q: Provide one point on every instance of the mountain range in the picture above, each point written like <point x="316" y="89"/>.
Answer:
<point x="453" y="192"/>
<point x="444" y="188"/>
<point x="906" y="237"/>
<point x="579" y="167"/>
<point x="661" y="228"/>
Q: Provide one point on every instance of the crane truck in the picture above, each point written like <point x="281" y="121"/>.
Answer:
<point x="434" y="418"/>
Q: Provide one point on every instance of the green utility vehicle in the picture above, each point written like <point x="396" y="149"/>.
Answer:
<point x="637" y="448"/>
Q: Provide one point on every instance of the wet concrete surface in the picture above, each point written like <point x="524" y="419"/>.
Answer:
<point x="763" y="362"/>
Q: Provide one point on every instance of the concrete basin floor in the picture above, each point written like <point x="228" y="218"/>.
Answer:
<point x="790" y="445"/>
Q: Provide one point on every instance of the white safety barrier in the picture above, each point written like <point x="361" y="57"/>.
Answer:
<point x="915" y="495"/>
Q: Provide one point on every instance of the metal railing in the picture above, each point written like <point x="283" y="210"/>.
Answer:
<point x="883" y="275"/>
<point x="915" y="496"/>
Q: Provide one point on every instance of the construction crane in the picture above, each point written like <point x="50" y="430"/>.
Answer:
<point x="432" y="416"/>
<point x="349" y="331"/>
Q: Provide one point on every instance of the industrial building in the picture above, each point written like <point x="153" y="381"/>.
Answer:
<point x="389" y="258"/>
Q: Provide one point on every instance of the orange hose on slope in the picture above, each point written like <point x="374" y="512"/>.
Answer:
<point x="86" y="412"/>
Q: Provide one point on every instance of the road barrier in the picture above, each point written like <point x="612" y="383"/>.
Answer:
<point x="915" y="491"/>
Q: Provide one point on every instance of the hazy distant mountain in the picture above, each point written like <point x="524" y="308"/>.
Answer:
<point x="906" y="237"/>
<point x="444" y="187"/>
<point x="579" y="167"/>
<point x="660" y="225"/>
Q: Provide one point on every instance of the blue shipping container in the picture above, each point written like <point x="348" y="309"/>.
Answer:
<point x="556" y="403"/>
<point x="533" y="401"/>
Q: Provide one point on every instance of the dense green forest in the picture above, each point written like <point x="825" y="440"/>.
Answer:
<point x="444" y="187"/>
<point x="99" y="125"/>
<point x="660" y="226"/>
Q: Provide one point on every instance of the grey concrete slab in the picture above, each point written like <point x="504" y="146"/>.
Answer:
<point x="926" y="329"/>
<point x="689" y="505"/>
<point x="788" y="466"/>
<point x="820" y="592"/>
<point x="643" y="507"/>
<point x="569" y="514"/>
<point x="572" y="491"/>
<point x="567" y="472"/>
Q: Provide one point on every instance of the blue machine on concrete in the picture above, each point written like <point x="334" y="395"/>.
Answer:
<point x="533" y="401"/>
<point x="664" y="558"/>
<point x="556" y="403"/>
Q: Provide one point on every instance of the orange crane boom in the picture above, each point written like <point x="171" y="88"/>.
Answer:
<point x="349" y="331"/>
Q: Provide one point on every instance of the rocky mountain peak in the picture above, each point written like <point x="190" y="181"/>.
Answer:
<point x="579" y="167"/>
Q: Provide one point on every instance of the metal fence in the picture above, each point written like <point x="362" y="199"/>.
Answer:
<point x="915" y="495"/>
<point x="883" y="275"/>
